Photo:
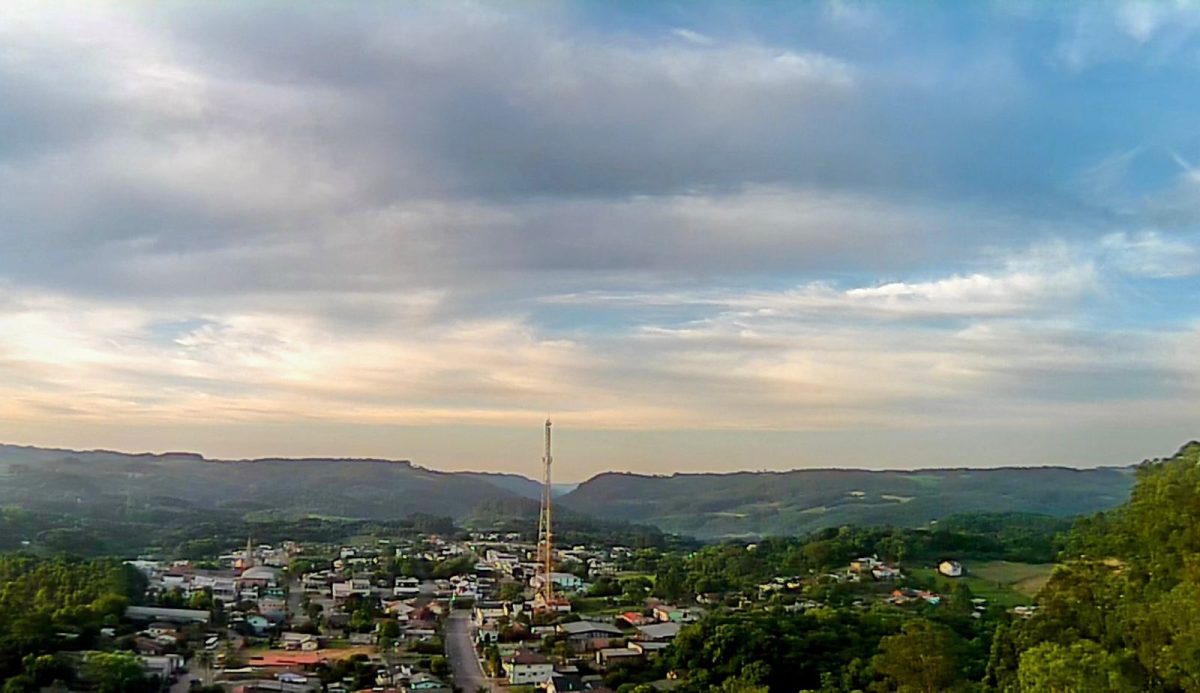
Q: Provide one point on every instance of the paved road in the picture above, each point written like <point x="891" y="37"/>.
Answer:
<point x="467" y="674"/>
<point x="183" y="685"/>
<point x="295" y="596"/>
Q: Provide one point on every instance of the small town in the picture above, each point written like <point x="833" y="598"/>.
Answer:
<point x="427" y="605"/>
<point x="458" y="610"/>
<point x="437" y="614"/>
<point x="868" y="331"/>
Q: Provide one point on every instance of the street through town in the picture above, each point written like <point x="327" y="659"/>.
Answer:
<point x="461" y="652"/>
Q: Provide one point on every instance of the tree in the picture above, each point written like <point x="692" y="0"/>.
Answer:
<point x="671" y="579"/>
<point x="492" y="662"/>
<point x="738" y="685"/>
<point x="604" y="587"/>
<point x="439" y="666"/>
<point x="21" y="684"/>
<point x="1081" y="666"/>
<point x="389" y="631"/>
<point x="114" y="672"/>
<point x="635" y="590"/>
<point x="201" y="600"/>
<point x="923" y="658"/>
<point x="48" y="669"/>
<point x="511" y="591"/>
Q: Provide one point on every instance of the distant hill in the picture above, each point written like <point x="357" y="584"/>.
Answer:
<point x="99" y="482"/>
<point x="520" y="485"/>
<point x="775" y="503"/>
<point x="102" y="484"/>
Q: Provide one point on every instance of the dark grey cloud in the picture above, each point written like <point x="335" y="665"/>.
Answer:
<point x="204" y="148"/>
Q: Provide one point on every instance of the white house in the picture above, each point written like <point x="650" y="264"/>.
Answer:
<point x="527" y="668"/>
<point x="562" y="581"/>
<point x="950" y="568"/>
<point x="488" y="611"/>
<point x="407" y="587"/>
<point x="864" y="564"/>
<point x="359" y="586"/>
<point x="299" y="641"/>
<point x="488" y="634"/>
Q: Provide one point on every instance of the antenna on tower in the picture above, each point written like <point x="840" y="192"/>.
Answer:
<point x="545" y="533"/>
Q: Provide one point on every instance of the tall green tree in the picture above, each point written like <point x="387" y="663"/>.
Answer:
<point x="1080" y="667"/>
<point x="114" y="672"/>
<point x="923" y="658"/>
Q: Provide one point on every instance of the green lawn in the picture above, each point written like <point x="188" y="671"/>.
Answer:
<point x="1024" y="578"/>
<point x="598" y="606"/>
<point x="1000" y="582"/>
<point x="634" y="574"/>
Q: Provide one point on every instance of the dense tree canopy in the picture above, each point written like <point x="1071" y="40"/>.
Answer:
<point x="42" y="598"/>
<point x="1125" y="609"/>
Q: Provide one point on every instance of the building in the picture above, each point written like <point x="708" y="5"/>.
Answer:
<point x="303" y="642"/>
<point x="488" y="611"/>
<point x="154" y="613"/>
<point x="526" y="668"/>
<point x="675" y="614"/>
<point x="343" y="590"/>
<point x="659" y="632"/>
<point x="616" y="655"/>
<point x="407" y="587"/>
<point x="950" y="568"/>
<point x="882" y="571"/>
<point x="588" y="635"/>
<point x="648" y="647"/>
<point x="164" y="666"/>
<point x="556" y="604"/>
<point x="426" y="684"/>
<point x="260" y="576"/>
<point x="488" y="634"/>
<point x="562" y="581"/>
<point x="564" y="683"/>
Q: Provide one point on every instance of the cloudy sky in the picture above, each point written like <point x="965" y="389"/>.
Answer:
<point x="701" y="236"/>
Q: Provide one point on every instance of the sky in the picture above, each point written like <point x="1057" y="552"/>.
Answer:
<point x="701" y="236"/>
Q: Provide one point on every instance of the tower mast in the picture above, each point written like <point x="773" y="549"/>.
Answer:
<point x="545" y="534"/>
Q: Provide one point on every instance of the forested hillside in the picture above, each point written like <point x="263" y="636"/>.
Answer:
<point x="1120" y="612"/>
<point x="797" y="502"/>
<point x="172" y="488"/>
<point x="1124" y="613"/>
<point x="105" y="483"/>
<point x="47" y="605"/>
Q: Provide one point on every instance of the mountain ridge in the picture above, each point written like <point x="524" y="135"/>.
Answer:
<point x="701" y="504"/>
<point x="714" y="505"/>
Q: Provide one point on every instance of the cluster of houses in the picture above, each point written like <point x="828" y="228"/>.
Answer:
<point x="250" y="594"/>
<point x="873" y="567"/>
<point x="255" y="599"/>
<point x="629" y="637"/>
<point x="249" y="588"/>
<point x="244" y="581"/>
<point x="904" y="595"/>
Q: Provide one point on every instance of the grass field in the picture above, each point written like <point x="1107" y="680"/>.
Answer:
<point x="626" y="574"/>
<point x="598" y="606"/>
<point x="1024" y="578"/>
<point x="1001" y="582"/>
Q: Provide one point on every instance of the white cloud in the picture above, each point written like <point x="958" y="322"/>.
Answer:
<point x="1021" y="289"/>
<point x="692" y="36"/>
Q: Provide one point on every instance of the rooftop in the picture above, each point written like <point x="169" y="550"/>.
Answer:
<point x="526" y="657"/>
<point x="580" y="627"/>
